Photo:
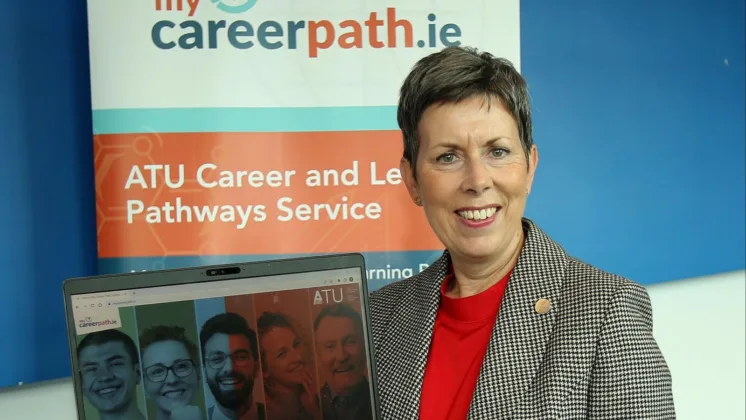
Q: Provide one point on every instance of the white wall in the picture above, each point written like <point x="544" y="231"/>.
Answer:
<point x="700" y="325"/>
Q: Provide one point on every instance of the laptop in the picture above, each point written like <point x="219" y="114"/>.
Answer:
<point x="280" y="339"/>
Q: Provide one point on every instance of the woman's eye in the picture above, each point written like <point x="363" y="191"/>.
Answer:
<point x="447" y="158"/>
<point x="498" y="153"/>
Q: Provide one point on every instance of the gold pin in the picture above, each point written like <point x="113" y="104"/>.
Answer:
<point x="543" y="306"/>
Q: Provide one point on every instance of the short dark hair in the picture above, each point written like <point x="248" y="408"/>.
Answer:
<point x="453" y="75"/>
<point x="267" y="322"/>
<point x="270" y="320"/>
<point x="228" y="323"/>
<point x="107" y="336"/>
<point x="339" y="310"/>
<point x="158" y="333"/>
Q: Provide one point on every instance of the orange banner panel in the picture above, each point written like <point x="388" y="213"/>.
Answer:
<point x="254" y="193"/>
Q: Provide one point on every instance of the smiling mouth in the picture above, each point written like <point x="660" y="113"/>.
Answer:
<point x="345" y="369"/>
<point x="174" y="394"/>
<point x="477" y="215"/>
<point x="230" y="381"/>
<point x="107" y="392"/>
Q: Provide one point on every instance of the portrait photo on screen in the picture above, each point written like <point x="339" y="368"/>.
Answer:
<point x="286" y="352"/>
<point x="171" y="362"/>
<point x="340" y="345"/>
<point x="110" y="371"/>
<point x="228" y="340"/>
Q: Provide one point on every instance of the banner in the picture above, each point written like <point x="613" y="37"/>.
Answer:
<point x="239" y="130"/>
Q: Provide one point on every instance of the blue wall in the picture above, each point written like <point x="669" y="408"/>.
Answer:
<point x="641" y="133"/>
<point x="639" y="121"/>
<point x="47" y="210"/>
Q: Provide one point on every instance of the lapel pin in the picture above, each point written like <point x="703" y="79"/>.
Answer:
<point x="543" y="306"/>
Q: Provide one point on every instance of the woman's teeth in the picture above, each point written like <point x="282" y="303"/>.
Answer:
<point x="478" y="214"/>
<point x="174" y="394"/>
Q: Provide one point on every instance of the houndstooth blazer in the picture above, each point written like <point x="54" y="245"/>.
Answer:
<point x="591" y="356"/>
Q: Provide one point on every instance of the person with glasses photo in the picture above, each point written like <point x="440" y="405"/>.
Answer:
<point x="231" y="360"/>
<point x="171" y="375"/>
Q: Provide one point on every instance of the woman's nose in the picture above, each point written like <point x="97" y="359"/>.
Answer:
<point x="171" y="377"/>
<point x="296" y="356"/>
<point x="476" y="176"/>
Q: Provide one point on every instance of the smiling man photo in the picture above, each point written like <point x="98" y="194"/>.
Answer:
<point x="110" y="373"/>
<point x="231" y="357"/>
<point x="340" y="346"/>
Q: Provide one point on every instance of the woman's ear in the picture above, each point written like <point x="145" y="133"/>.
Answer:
<point x="407" y="174"/>
<point x="533" y="162"/>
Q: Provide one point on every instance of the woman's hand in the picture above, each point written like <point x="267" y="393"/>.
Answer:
<point x="308" y="397"/>
<point x="186" y="412"/>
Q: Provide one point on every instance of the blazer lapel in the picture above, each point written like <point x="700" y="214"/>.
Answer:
<point x="407" y="342"/>
<point x="521" y="334"/>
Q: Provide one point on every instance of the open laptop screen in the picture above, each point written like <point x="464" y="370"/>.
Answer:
<point x="278" y="347"/>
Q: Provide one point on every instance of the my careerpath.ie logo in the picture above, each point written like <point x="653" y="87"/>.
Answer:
<point x="382" y="31"/>
<point x="87" y="322"/>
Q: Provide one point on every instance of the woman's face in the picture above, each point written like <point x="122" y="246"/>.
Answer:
<point x="472" y="177"/>
<point x="172" y="387"/>
<point x="283" y="354"/>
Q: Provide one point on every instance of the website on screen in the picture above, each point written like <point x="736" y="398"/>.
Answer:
<point x="281" y="347"/>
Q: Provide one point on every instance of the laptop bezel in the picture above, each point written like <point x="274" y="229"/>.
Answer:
<point x="198" y="274"/>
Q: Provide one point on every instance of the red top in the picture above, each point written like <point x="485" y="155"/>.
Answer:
<point x="462" y="331"/>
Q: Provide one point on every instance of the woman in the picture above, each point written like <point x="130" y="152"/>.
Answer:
<point x="505" y="324"/>
<point x="171" y="374"/>
<point x="289" y="386"/>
